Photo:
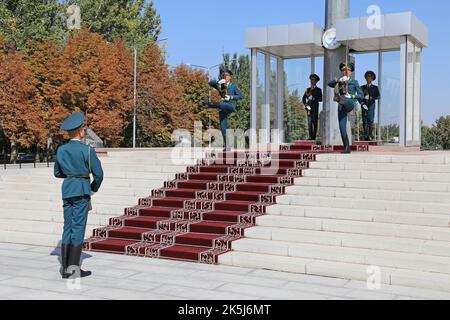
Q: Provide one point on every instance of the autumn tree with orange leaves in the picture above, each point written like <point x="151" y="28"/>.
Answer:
<point x="161" y="106"/>
<point x="19" y="114"/>
<point x="195" y="89"/>
<point x="97" y="80"/>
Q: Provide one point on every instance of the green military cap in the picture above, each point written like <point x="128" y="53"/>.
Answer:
<point x="314" y="76"/>
<point x="374" y="76"/>
<point x="73" y="122"/>
<point x="350" y="66"/>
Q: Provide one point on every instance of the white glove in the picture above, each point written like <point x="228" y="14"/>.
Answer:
<point x="367" y="97"/>
<point x="365" y="107"/>
<point x="308" y="108"/>
<point x="344" y="79"/>
<point x="223" y="81"/>
<point x="227" y="98"/>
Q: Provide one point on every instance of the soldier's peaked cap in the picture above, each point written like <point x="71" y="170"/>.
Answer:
<point x="314" y="76"/>
<point x="73" y="122"/>
<point x="350" y="66"/>
<point x="371" y="73"/>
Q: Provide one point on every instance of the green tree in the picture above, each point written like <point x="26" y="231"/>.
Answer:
<point x="25" y="20"/>
<point x="438" y="136"/>
<point x="135" y="21"/>
<point x="295" y="117"/>
<point x="240" y="66"/>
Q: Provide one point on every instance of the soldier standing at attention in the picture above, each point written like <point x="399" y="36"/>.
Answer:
<point x="371" y="94"/>
<point x="230" y="94"/>
<point x="347" y="92"/>
<point x="311" y="100"/>
<point x="74" y="163"/>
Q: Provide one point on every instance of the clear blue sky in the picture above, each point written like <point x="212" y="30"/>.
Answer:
<point x="198" y="31"/>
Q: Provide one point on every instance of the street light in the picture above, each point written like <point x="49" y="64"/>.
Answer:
<point x="209" y="69"/>
<point x="135" y="90"/>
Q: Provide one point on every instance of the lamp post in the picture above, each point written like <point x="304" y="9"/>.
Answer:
<point x="209" y="69"/>
<point x="135" y="90"/>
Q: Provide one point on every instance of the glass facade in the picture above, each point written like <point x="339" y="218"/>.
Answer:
<point x="390" y="93"/>
<point x="279" y="86"/>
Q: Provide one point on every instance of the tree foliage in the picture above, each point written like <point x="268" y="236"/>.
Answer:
<point x="19" y="114"/>
<point x="134" y="21"/>
<point x="25" y="20"/>
<point x="194" y="84"/>
<point x="437" y="137"/>
<point x="161" y="106"/>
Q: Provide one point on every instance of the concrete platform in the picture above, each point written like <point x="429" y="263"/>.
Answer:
<point x="30" y="272"/>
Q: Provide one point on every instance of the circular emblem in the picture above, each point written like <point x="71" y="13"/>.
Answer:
<point x="329" y="39"/>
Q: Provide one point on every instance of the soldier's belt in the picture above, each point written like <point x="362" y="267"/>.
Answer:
<point x="77" y="176"/>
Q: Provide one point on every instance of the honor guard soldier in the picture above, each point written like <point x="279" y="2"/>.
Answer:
<point x="311" y="100"/>
<point x="347" y="92"/>
<point x="75" y="161"/>
<point x="230" y="94"/>
<point x="371" y="94"/>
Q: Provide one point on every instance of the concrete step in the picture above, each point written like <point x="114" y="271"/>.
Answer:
<point x="48" y="206"/>
<point x="374" y="184"/>
<point x="353" y="227"/>
<point x="106" y="189"/>
<point x="381" y="258"/>
<point x="417" y="158"/>
<point x="351" y="240"/>
<point x="46" y="216"/>
<point x="369" y="204"/>
<point x="30" y="238"/>
<point x="350" y="271"/>
<point x="392" y="167"/>
<point x="370" y="194"/>
<point x="408" y="218"/>
<point x="40" y="227"/>
<point x="378" y="175"/>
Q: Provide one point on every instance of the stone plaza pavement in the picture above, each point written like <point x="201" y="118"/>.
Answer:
<point x="31" y="272"/>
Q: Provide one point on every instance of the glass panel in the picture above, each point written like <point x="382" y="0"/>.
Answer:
<point x="390" y="92"/>
<point x="296" y="72"/>
<point x="260" y="90"/>
<point x="273" y="92"/>
<point x="363" y="63"/>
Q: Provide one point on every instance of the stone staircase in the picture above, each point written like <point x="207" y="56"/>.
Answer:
<point x="31" y="206"/>
<point x="351" y="212"/>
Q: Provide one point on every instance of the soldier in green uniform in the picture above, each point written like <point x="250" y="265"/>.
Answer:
<point x="347" y="93"/>
<point x="371" y="94"/>
<point x="311" y="99"/>
<point x="74" y="163"/>
<point x="230" y="94"/>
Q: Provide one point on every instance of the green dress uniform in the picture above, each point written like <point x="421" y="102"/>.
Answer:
<point x="349" y="93"/>
<point x="311" y="99"/>
<point x="74" y="163"/>
<point x="371" y="95"/>
<point x="230" y="94"/>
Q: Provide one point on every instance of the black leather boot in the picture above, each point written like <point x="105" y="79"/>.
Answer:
<point x="74" y="260"/>
<point x="346" y="141"/>
<point x="64" y="260"/>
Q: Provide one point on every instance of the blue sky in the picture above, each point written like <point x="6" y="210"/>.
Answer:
<point x="199" y="30"/>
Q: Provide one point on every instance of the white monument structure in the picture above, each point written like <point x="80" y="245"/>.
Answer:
<point x="283" y="57"/>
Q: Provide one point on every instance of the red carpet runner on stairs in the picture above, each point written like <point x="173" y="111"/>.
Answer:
<point x="197" y="216"/>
